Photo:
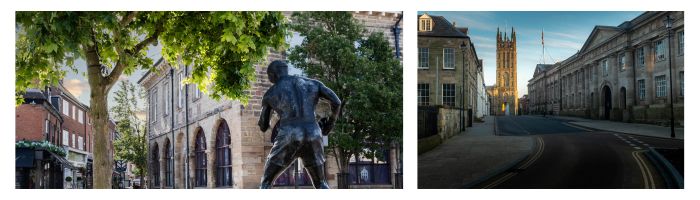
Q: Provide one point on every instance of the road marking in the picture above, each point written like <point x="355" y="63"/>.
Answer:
<point x="540" y="149"/>
<point x="500" y="180"/>
<point x="637" y="148"/>
<point x="646" y="172"/>
<point x="530" y="161"/>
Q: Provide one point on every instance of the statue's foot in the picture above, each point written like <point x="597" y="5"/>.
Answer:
<point x="265" y="186"/>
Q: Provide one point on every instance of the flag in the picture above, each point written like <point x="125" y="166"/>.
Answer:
<point x="542" y="36"/>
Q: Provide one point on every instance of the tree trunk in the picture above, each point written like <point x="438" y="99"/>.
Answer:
<point x="102" y="168"/>
<point x="101" y="154"/>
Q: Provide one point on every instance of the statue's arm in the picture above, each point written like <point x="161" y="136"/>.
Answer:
<point x="328" y="94"/>
<point x="264" y="121"/>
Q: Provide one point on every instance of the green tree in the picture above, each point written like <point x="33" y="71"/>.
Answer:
<point x="222" y="47"/>
<point x="361" y="69"/>
<point x="131" y="145"/>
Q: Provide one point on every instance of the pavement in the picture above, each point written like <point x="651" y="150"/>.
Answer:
<point x="471" y="157"/>
<point x="622" y="127"/>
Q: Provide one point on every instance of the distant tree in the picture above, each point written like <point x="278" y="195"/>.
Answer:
<point x="222" y="47"/>
<point x="131" y="145"/>
<point x="361" y="69"/>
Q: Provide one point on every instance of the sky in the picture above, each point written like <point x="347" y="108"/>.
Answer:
<point x="564" y="34"/>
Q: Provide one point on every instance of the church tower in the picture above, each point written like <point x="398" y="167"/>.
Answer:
<point x="506" y="88"/>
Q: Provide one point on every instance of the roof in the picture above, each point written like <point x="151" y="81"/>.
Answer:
<point x="442" y="28"/>
<point x="33" y="94"/>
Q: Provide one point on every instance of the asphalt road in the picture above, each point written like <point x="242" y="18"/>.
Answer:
<point x="570" y="157"/>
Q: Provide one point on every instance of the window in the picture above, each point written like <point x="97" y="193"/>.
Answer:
<point x="642" y="89"/>
<point x="223" y="156"/>
<point x="166" y="100"/>
<point x="65" y="138"/>
<point x="197" y="92"/>
<point x="660" y="82"/>
<point x="423" y="59"/>
<point x="168" y="164"/>
<point x="448" y="94"/>
<point x="425" y="24"/>
<point x="155" y="166"/>
<point x="75" y="112"/>
<point x="660" y="50"/>
<point x="73" y="140"/>
<point x="46" y="127"/>
<point x="423" y="94"/>
<point x="80" y="142"/>
<point x="181" y="93"/>
<point x="201" y="160"/>
<point x="154" y="105"/>
<point x="681" y="42"/>
<point x="640" y="57"/>
<point x="682" y="82"/>
<point x="66" y="108"/>
<point x="621" y="61"/>
<point x="80" y="116"/>
<point x="448" y="56"/>
<point x="603" y="66"/>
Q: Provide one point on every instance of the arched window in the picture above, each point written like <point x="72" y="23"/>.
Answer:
<point x="168" y="164"/>
<point x="201" y="160"/>
<point x="223" y="156"/>
<point x="155" y="162"/>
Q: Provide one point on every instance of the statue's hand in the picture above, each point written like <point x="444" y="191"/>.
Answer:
<point x="263" y="126"/>
<point x="326" y="126"/>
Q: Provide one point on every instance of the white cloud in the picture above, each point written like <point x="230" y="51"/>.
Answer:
<point x="76" y="87"/>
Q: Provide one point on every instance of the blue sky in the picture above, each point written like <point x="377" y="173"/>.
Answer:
<point x="564" y="34"/>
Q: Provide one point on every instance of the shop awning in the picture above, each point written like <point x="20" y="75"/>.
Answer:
<point x="24" y="157"/>
<point x="62" y="160"/>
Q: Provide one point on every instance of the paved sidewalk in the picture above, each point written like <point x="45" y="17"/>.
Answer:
<point x="622" y="127"/>
<point x="471" y="156"/>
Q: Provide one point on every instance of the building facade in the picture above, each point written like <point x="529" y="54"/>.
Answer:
<point x="56" y="117"/>
<point x="449" y="69"/>
<point x="504" y="94"/>
<point x="199" y="142"/>
<point x="621" y="73"/>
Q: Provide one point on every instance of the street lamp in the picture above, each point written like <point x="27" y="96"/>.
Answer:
<point x="669" y="25"/>
<point x="463" y="46"/>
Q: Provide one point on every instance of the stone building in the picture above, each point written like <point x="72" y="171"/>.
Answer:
<point x="448" y="66"/>
<point x="504" y="94"/>
<point x="198" y="142"/>
<point x="621" y="73"/>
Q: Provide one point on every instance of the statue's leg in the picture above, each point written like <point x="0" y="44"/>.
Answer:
<point x="272" y="170"/>
<point x="318" y="176"/>
<point x="314" y="159"/>
<point x="282" y="154"/>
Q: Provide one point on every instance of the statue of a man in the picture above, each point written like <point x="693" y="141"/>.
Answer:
<point x="298" y="135"/>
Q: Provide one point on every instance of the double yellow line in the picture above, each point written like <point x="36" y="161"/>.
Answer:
<point x="530" y="161"/>
<point x="646" y="173"/>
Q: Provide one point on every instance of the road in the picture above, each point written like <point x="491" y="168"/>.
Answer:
<point x="570" y="157"/>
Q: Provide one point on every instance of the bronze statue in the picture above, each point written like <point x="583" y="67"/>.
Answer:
<point x="296" y="134"/>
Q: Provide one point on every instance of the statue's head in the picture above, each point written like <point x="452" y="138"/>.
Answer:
<point x="276" y="70"/>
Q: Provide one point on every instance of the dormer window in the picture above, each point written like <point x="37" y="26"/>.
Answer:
<point x="425" y="23"/>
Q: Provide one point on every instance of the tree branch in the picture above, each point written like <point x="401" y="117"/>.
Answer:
<point x="120" y="66"/>
<point x="126" y="20"/>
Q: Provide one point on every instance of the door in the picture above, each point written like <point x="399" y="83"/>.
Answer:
<point x="607" y="99"/>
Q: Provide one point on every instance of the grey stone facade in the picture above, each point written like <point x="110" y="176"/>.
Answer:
<point x="621" y="73"/>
